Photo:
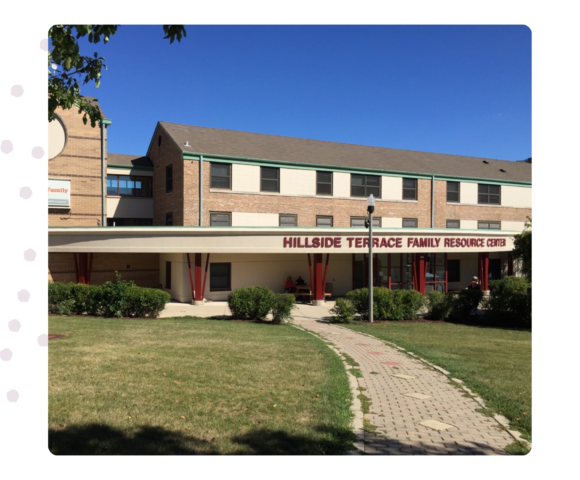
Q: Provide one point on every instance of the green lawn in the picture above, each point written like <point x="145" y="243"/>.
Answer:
<point x="494" y="363"/>
<point x="188" y="386"/>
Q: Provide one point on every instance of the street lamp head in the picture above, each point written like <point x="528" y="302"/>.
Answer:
<point x="371" y="203"/>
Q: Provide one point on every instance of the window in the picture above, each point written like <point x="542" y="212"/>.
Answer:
<point x="169" y="219"/>
<point x="287" y="220"/>
<point x="364" y="185"/>
<point x="489" y="225"/>
<point x="129" y="186"/>
<point x="129" y="222"/>
<point x="435" y="275"/>
<point x="220" y="219"/>
<point x="220" y="276"/>
<point x="169" y="179"/>
<point x="489" y="194"/>
<point x="360" y="221"/>
<point x="409" y="189"/>
<point x="168" y="275"/>
<point x="323" y="183"/>
<point x="221" y="175"/>
<point x="322" y="221"/>
<point x="409" y="223"/>
<point x="453" y="192"/>
<point x="453" y="271"/>
<point x="453" y="223"/>
<point x="269" y="179"/>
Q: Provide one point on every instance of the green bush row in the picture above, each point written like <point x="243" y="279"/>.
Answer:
<point x="112" y="299"/>
<point x="254" y="303"/>
<point x="508" y="304"/>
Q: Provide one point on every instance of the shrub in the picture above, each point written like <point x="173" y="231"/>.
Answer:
<point x="59" y="298"/>
<point x="343" y="311"/>
<point x="359" y="299"/>
<point x="464" y="301"/>
<point x="382" y="303"/>
<point x="282" y="306"/>
<point x="250" y="303"/>
<point x="509" y="304"/>
<point x="141" y="302"/>
<point x="113" y="296"/>
<point x="439" y="304"/>
<point x="406" y="304"/>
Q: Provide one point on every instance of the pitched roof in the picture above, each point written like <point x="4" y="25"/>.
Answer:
<point x="129" y="160"/>
<point x="300" y="150"/>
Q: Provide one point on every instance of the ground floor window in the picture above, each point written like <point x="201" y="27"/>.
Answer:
<point x="453" y="267"/>
<point x="494" y="269"/>
<point x="168" y="275"/>
<point x="395" y="271"/>
<point x="220" y="277"/>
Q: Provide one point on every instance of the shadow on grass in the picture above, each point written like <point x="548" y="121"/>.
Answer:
<point x="146" y="440"/>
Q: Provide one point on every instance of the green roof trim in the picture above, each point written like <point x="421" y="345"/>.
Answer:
<point x="208" y="157"/>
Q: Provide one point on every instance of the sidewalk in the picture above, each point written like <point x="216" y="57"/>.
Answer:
<point x="413" y="409"/>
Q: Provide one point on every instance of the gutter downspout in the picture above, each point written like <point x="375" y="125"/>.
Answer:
<point x="200" y="190"/>
<point x="104" y="123"/>
<point x="432" y="200"/>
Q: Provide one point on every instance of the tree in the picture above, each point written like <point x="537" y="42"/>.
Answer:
<point x="523" y="249"/>
<point x="68" y="68"/>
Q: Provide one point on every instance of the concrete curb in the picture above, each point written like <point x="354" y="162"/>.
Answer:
<point x="355" y="407"/>
<point x="500" y="419"/>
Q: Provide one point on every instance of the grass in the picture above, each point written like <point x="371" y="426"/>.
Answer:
<point x="194" y="386"/>
<point x="494" y="363"/>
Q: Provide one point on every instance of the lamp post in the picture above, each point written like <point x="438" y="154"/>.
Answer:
<point x="370" y="210"/>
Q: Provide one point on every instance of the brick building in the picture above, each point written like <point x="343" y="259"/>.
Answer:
<point x="206" y="211"/>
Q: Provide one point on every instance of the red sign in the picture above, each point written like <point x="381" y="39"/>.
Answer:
<point x="393" y="242"/>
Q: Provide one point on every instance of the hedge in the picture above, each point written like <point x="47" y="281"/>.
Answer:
<point x="254" y="303"/>
<point x="112" y="299"/>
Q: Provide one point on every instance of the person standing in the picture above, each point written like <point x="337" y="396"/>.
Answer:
<point x="474" y="285"/>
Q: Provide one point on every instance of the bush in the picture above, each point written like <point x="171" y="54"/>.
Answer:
<point x="120" y="298"/>
<point x="343" y="311"/>
<point x="439" y="305"/>
<point x="250" y="303"/>
<point x="464" y="301"/>
<point x="113" y="296"/>
<point x="387" y="304"/>
<point x="141" y="302"/>
<point x="282" y="306"/>
<point x="509" y="304"/>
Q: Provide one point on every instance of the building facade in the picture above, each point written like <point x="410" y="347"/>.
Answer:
<point x="206" y="211"/>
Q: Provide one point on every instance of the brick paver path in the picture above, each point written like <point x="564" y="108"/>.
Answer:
<point x="414" y="408"/>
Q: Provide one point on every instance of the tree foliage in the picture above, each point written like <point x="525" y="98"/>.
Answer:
<point x="68" y="68"/>
<point x="523" y="249"/>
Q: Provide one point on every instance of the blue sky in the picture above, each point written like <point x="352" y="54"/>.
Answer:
<point x="463" y="90"/>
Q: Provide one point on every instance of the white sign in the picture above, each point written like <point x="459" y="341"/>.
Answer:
<point x="59" y="193"/>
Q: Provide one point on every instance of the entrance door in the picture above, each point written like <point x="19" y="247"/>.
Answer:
<point x="494" y="269"/>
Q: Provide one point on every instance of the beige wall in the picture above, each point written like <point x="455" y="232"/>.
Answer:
<point x="468" y="224"/>
<point x="341" y="184"/>
<point x="392" y="222"/>
<point x="517" y="197"/>
<point x="56" y="138"/>
<point x="129" y="207"/>
<point x="243" y="219"/>
<point x="468" y="193"/>
<point x="129" y="171"/>
<point x="297" y="182"/>
<point x="245" y="178"/>
<point x="517" y="226"/>
<point x="392" y="188"/>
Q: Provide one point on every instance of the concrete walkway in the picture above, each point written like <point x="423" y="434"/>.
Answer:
<point x="413" y="408"/>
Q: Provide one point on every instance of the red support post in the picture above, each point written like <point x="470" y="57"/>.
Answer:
<point x="82" y="268"/>
<point x="90" y="269"/>
<point x="325" y="274"/>
<point x="484" y="270"/>
<point x="190" y="277"/>
<point x="319" y="289"/>
<point x="76" y="268"/>
<point x="422" y="268"/>
<point x="205" y="273"/>
<point x="198" y="284"/>
<point x="311" y="277"/>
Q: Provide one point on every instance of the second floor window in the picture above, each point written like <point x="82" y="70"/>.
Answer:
<point x="452" y="223"/>
<point x="221" y="175"/>
<point x="169" y="179"/>
<point x="129" y="186"/>
<point x="323" y="221"/>
<point x="323" y="183"/>
<point x="287" y="220"/>
<point x="365" y="185"/>
<point x="360" y="221"/>
<point x="220" y="219"/>
<point x="453" y="192"/>
<point x="409" y="189"/>
<point x="489" y="194"/>
<point x="269" y="179"/>
<point x="485" y="225"/>
<point x="409" y="223"/>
